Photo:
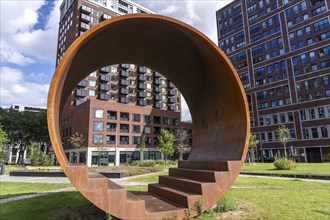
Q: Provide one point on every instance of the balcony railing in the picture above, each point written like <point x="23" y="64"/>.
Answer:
<point x="104" y="87"/>
<point x="82" y="83"/>
<point x="142" y="102"/>
<point x="124" y="73"/>
<point x="105" y="78"/>
<point x="124" y="91"/>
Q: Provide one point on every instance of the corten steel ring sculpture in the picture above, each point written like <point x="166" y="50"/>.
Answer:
<point x="213" y="92"/>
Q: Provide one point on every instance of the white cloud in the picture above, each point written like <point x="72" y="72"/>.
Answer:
<point x="12" y="55"/>
<point x="15" y="89"/>
<point x="185" y="110"/>
<point x="169" y="9"/>
<point x="17" y="31"/>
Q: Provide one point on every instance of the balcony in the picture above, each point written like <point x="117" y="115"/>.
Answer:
<point x="85" y="18"/>
<point x="111" y="142"/>
<point x="78" y="101"/>
<point x="82" y="83"/>
<point x="85" y="9"/>
<point x="124" y="91"/>
<point x="157" y="74"/>
<point x="158" y="97"/>
<point x="157" y="81"/>
<point x="142" y="78"/>
<point x="172" y="92"/>
<point x="172" y="100"/>
<point x="157" y="89"/>
<point x="159" y="105"/>
<point x="124" y="82"/>
<point x="105" y="17"/>
<point x="124" y="100"/>
<point x="142" y="102"/>
<point x="105" y="78"/>
<point x="124" y="73"/>
<point x="104" y="96"/>
<point x="171" y="85"/>
<point x="124" y="65"/>
<point x="105" y="69"/>
<point x="142" y="69"/>
<point x="81" y="93"/>
<point x="172" y="107"/>
<point x="104" y="87"/>
<point x="142" y="86"/>
<point x="142" y="94"/>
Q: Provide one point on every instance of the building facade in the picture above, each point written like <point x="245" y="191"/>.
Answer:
<point x="117" y="105"/>
<point x="281" y="52"/>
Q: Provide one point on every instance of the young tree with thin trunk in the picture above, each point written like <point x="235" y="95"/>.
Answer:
<point x="283" y="136"/>
<point x="165" y="143"/>
<point x="181" y="137"/>
<point x="77" y="141"/>
<point x="142" y="146"/>
<point x="253" y="142"/>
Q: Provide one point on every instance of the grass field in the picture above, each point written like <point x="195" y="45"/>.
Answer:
<point x="302" y="168"/>
<point x="255" y="198"/>
<point x="12" y="189"/>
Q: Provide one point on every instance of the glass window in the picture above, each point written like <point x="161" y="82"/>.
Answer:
<point x="136" y="117"/>
<point x="92" y="83"/>
<point x="98" y="113"/>
<point x="315" y="133"/>
<point x="305" y="133"/>
<point x="136" y="128"/>
<point x="324" y="132"/>
<point x="91" y="92"/>
<point x="97" y="138"/>
<point x="147" y="130"/>
<point x="93" y="74"/>
<point x="97" y="126"/>
<point x="311" y="113"/>
<point x="302" y="115"/>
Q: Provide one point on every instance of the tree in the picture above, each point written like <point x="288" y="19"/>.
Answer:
<point x="23" y="128"/>
<point x="37" y="156"/>
<point x="253" y="142"/>
<point x="3" y="146"/>
<point x="181" y="137"/>
<point x="283" y="136"/>
<point x="77" y="141"/>
<point x="165" y="143"/>
<point x="142" y="146"/>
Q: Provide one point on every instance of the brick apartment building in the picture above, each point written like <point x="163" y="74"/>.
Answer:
<point x="115" y="105"/>
<point x="281" y="51"/>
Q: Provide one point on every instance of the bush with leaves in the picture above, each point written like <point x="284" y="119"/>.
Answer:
<point x="3" y="146"/>
<point x="37" y="156"/>
<point x="225" y="204"/>
<point x="283" y="163"/>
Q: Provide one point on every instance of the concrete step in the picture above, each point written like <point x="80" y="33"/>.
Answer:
<point x="192" y="174"/>
<point x="185" y="199"/>
<point x="185" y="184"/>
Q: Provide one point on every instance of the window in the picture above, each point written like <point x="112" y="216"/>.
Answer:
<point x="97" y="126"/>
<point x="97" y="138"/>
<point x="175" y="121"/>
<point x="147" y="119"/>
<point x="275" y="120"/>
<point x="147" y="130"/>
<point x="124" y="116"/>
<point x="166" y="121"/>
<point x="136" y="140"/>
<point x="93" y="74"/>
<point x="308" y="30"/>
<point x="302" y="115"/>
<point x="293" y="134"/>
<point x="124" y="140"/>
<point x="290" y="116"/>
<point x="136" y="128"/>
<point x="305" y="134"/>
<point x="157" y="120"/>
<point x="311" y="114"/>
<point x="315" y="133"/>
<point x="324" y="132"/>
<point x="326" y="80"/>
<point x="98" y="113"/>
<point x="136" y="117"/>
<point x="91" y="92"/>
<point x="320" y="111"/>
<point x="270" y="136"/>
<point x="92" y="83"/>
<point x="320" y="25"/>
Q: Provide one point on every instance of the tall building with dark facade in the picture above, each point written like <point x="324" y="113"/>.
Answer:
<point x="281" y="51"/>
<point x="116" y="105"/>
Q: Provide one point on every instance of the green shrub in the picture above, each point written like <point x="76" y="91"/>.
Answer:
<point x="225" y="204"/>
<point x="283" y="163"/>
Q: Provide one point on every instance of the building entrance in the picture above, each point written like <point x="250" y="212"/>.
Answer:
<point x="313" y="155"/>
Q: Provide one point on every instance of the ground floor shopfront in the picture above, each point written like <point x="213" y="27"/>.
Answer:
<point x="111" y="156"/>
<point x="301" y="154"/>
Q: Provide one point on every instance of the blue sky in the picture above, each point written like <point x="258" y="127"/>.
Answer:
<point x="28" y="40"/>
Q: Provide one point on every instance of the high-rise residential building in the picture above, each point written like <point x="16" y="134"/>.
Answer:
<point x="117" y="105"/>
<point x="281" y="51"/>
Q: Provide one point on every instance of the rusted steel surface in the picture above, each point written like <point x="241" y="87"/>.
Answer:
<point x="211" y="87"/>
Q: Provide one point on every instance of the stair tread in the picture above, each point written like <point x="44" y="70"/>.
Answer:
<point x="187" y="180"/>
<point x="95" y="175"/>
<point x="156" y="204"/>
<point x="195" y="170"/>
<point x="174" y="190"/>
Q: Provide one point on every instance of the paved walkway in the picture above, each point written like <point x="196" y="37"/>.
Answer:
<point x="122" y="182"/>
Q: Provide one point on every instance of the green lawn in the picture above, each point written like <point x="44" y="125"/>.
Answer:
<point x="10" y="168"/>
<point x="256" y="198"/>
<point x="153" y="178"/>
<point x="302" y="168"/>
<point x="12" y="189"/>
